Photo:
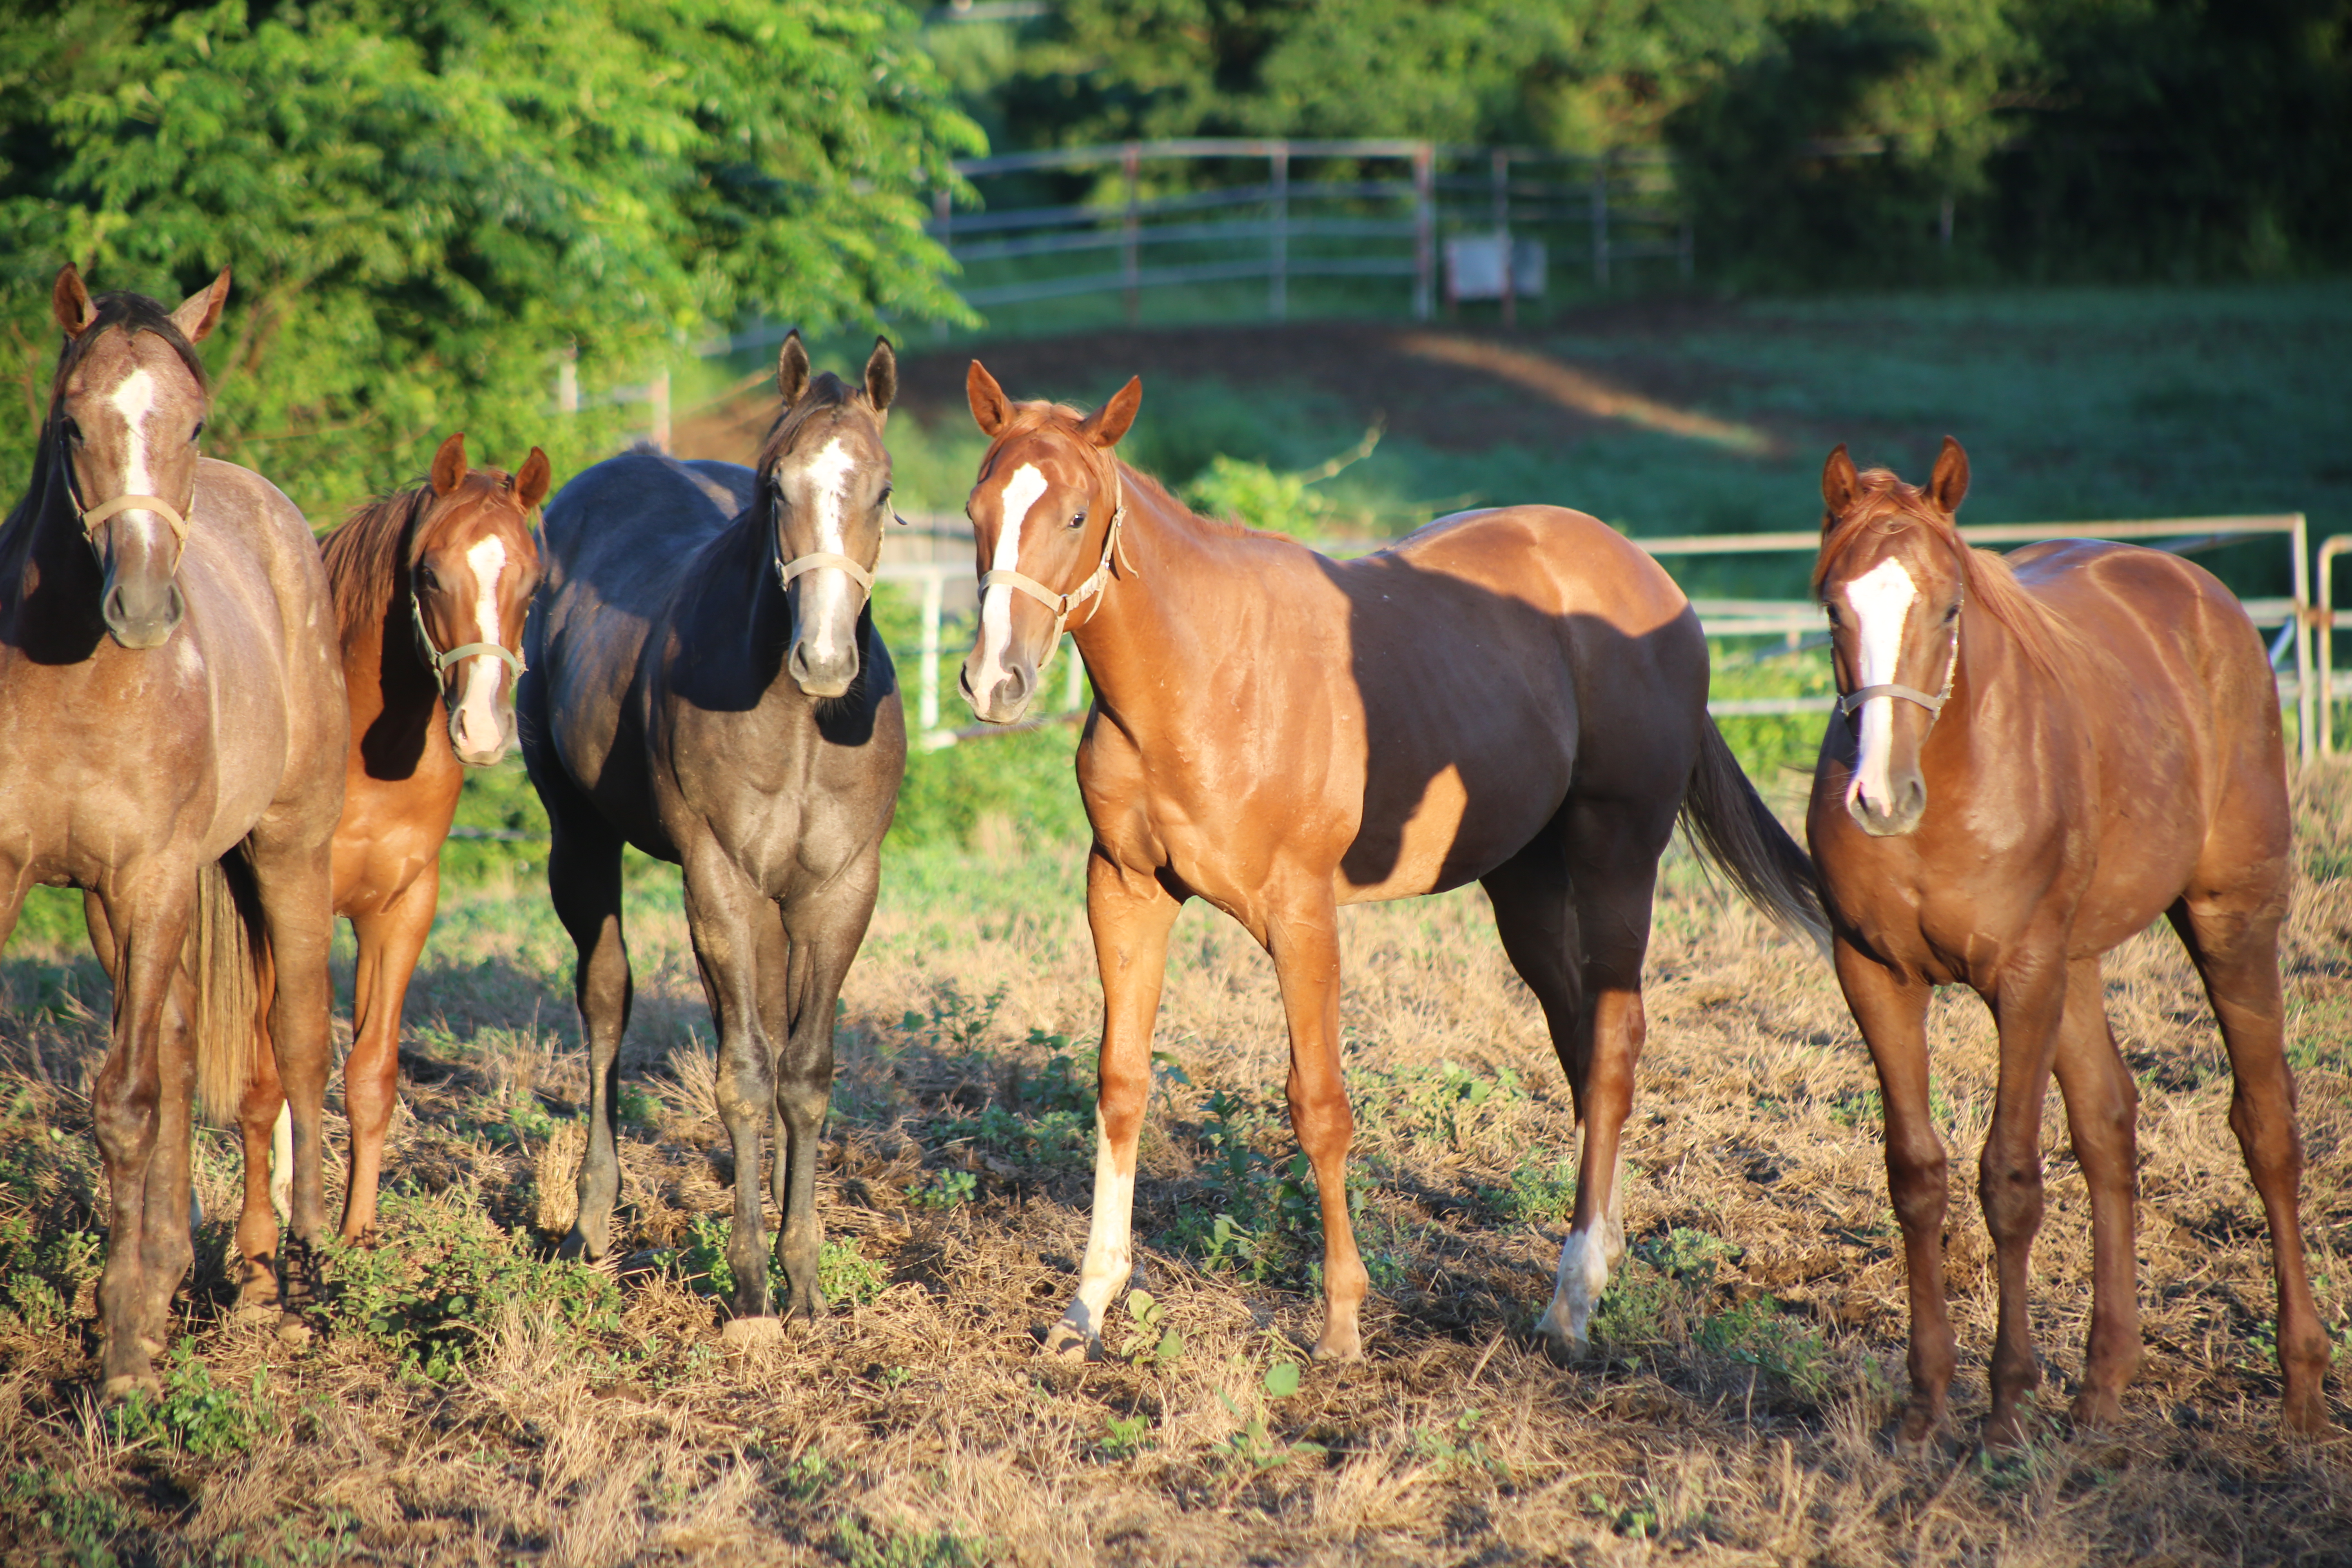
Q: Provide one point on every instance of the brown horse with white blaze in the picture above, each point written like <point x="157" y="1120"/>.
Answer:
<point x="2054" y="749"/>
<point x="1516" y="696"/>
<point x="170" y="710"/>
<point x="431" y="587"/>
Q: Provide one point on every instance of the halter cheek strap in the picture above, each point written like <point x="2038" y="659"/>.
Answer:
<point x="441" y="660"/>
<point x="1092" y="588"/>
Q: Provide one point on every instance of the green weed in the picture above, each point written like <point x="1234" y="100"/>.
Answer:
<point x="864" y="1546"/>
<point x="439" y="1279"/>
<point x="848" y="1276"/>
<point x="85" y="1522"/>
<point x="42" y="1274"/>
<point x="1124" y="1436"/>
<point x="944" y="1190"/>
<point x="1540" y="1193"/>
<point x="1155" y="1341"/>
<point x="1455" y="1447"/>
<point x="195" y="1416"/>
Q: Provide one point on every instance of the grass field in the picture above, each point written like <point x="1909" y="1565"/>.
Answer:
<point x="472" y="1400"/>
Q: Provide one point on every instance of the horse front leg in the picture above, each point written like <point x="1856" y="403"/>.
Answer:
<point x="726" y="915"/>
<point x="148" y="926"/>
<point x="823" y="929"/>
<point x="292" y="872"/>
<point x="389" y="942"/>
<point x="1892" y="1010"/>
<point x="1131" y="915"/>
<point x="2029" y="1004"/>
<point x="1304" y="940"/>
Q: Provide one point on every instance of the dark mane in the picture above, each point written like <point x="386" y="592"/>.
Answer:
<point x="368" y="558"/>
<point x="1890" y="505"/>
<point x="134" y="313"/>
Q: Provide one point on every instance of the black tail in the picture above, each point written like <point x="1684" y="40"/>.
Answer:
<point x="1730" y="822"/>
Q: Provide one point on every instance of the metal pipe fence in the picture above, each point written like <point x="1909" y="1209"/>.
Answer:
<point x="1791" y="618"/>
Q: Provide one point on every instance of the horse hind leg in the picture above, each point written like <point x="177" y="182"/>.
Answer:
<point x="583" y="881"/>
<point x="2234" y="944"/>
<point x="2102" y="1108"/>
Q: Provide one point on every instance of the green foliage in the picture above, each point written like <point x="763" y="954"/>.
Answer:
<point x="195" y="1416"/>
<point x="862" y="1545"/>
<point x="1124" y="1436"/>
<point x="846" y="1277"/>
<point x="1156" y="1342"/>
<point x="1022" y="779"/>
<point x="440" y="1278"/>
<point x="1455" y="1447"/>
<point x="424" y="203"/>
<point x="1541" y="1192"/>
<point x="1252" y="1447"/>
<point x="43" y="1268"/>
<point x="944" y="1190"/>
<point x="1058" y="1140"/>
<point x="84" y="1522"/>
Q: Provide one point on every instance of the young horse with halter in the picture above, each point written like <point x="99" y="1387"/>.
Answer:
<point x="171" y="712"/>
<point x="430" y="586"/>
<point x="707" y="684"/>
<point x="1516" y="696"/>
<point x="2051" y="750"/>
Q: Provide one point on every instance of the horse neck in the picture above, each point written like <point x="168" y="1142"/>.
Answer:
<point x="1143" y="624"/>
<point x="1990" y="658"/>
<point x="47" y="567"/>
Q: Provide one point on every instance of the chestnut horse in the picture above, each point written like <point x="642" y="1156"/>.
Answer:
<point x="170" y="710"/>
<point x="430" y="586"/>
<point x="1516" y="696"/>
<point x="2054" y="749"/>
<point x="707" y="684"/>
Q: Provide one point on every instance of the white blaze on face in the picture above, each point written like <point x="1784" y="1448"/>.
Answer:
<point x="830" y="599"/>
<point x="135" y="400"/>
<point x="1882" y="598"/>
<point x="478" y="725"/>
<point x="1021" y="492"/>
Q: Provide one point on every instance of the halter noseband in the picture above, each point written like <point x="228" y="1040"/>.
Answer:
<point x="440" y="659"/>
<point x="1063" y="604"/>
<point x="105" y="511"/>
<point x="1851" y="702"/>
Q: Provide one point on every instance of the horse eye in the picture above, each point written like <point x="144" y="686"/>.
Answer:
<point x="73" y="431"/>
<point x="1951" y="615"/>
<point x="199" y="430"/>
<point x="1079" y="520"/>
<point x="426" y="582"/>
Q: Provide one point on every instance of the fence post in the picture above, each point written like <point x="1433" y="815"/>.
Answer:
<point x="1500" y="163"/>
<point x="567" y="380"/>
<point x="1424" y="230"/>
<point x="929" y="712"/>
<point x="1128" y="157"/>
<point x="659" y="392"/>
<point x="1277" y="289"/>
<point x="2324" y="611"/>
<point x="2307" y="742"/>
<point x="1600" y="222"/>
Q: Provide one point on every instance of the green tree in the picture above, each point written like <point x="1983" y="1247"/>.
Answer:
<point x="424" y="203"/>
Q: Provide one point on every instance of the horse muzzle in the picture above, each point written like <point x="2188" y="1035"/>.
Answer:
<point x="1006" y="697"/>
<point x="819" y="674"/>
<point x="1899" y="814"/>
<point x="142" y="613"/>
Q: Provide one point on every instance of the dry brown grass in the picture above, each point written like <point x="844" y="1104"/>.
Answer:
<point x="1737" y="1415"/>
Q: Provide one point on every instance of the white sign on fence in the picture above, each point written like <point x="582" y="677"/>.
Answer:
<point x="1474" y="268"/>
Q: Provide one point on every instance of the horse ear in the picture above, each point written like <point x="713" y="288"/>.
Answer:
<point x="531" y="485"/>
<point x="1106" y="425"/>
<point x="1839" y="483"/>
<point x="881" y="376"/>
<point x="200" y="311"/>
<point x="1948" y="485"/>
<point x="69" y="302"/>
<point x="989" y="407"/>
<point x="449" y="465"/>
<point x="792" y="368"/>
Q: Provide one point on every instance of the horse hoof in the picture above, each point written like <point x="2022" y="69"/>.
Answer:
<point x="1067" y="1342"/>
<point x="740" y="1336"/>
<point x="2304" y="1411"/>
<point x="1329" y="1348"/>
<point x="293" y="1333"/>
<point x="577" y="1248"/>
<point x="123" y="1385"/>
<point x="2094" y="1408"/>
<point x="1560" y="1348"/>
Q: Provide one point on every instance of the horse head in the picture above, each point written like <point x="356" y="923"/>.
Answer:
<point x="125" y="413"/>
<point x="825" y="478"/>
<point x="473" y="566"/>
<point x="1046" y="513"/>
<point x="1892" y="575"/>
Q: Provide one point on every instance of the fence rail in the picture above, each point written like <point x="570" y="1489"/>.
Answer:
<point x="1609" y="195"/>
<point x="2294" y="617"/>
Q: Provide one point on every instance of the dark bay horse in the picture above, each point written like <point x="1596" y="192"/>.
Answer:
<point x="171" y="715"/>
<point x="707" y="684"/>
<point x="430" y="588"/>
<point x="1516" y="696"/>
<point x="2054" y="749"/>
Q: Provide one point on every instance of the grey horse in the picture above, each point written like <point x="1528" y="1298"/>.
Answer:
<point x="706" y="683"/>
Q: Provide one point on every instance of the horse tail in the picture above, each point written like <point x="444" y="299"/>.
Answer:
<point x="229" y="950"/>
<point x="1722" y="812"/>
